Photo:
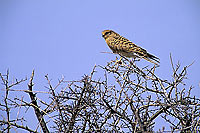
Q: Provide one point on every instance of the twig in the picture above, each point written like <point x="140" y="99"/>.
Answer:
<point x="36" y="108"/>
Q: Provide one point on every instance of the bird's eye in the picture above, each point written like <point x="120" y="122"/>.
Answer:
<point x="107" y="33"/>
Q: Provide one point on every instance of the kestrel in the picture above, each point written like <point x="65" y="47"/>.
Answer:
<point x="122" y="46"/>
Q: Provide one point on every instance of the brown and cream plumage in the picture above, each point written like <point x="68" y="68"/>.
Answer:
<point x="120" y="45"/>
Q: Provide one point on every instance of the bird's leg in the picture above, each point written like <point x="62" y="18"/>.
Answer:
<point x="137" y="58"/>
<point x="134" y="58"/>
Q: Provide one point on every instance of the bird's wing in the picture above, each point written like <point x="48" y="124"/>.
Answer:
<point x="129" y="47"/>
<point x="138" y="50"/>
<point x="142" y="53"/>
<point x="124" y="45"/>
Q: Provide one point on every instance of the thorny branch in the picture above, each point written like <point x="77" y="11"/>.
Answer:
<point x="36" y="107"/>
<point x="126" y="98"/>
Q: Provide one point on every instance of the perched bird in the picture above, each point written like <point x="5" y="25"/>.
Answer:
<point x="122" y="46"/>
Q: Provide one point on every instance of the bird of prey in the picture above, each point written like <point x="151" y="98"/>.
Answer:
<point x="122" y="46"/>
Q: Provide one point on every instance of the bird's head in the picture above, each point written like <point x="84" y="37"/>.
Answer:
<point x="108" y="33"/>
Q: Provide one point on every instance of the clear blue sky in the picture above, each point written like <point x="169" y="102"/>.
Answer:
<point x="63" y="37"/>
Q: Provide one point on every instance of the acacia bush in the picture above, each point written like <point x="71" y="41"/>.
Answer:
<point x="118" y="97"/>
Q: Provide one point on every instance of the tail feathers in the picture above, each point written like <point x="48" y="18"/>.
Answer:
<point x="148" y="59"/>
<point x="153" y="57"/>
